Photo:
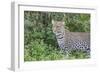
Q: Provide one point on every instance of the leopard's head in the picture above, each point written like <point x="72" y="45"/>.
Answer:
<point x="58" y="26"/>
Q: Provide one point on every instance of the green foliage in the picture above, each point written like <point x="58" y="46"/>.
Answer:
<point x="39" y="40"/>
<point x="40" y="51"/>
<point x="77" y="22"/>
<point x="78" y="54"/>
<point x="57" y="16"/>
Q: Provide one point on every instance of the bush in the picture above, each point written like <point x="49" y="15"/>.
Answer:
<point x="78" y="54"/>
<point x="40" y="51"/>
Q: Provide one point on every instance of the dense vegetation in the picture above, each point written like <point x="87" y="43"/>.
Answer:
<point x="39" y="40"/>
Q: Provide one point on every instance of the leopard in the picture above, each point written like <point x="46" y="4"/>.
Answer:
<point x="68" y="40"/>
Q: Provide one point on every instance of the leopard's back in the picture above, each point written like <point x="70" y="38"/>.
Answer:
<point x="77" y="40"/>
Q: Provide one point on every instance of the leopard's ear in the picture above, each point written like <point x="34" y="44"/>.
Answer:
<point x="63" y="22"/>
<point x="53" y="22"/>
